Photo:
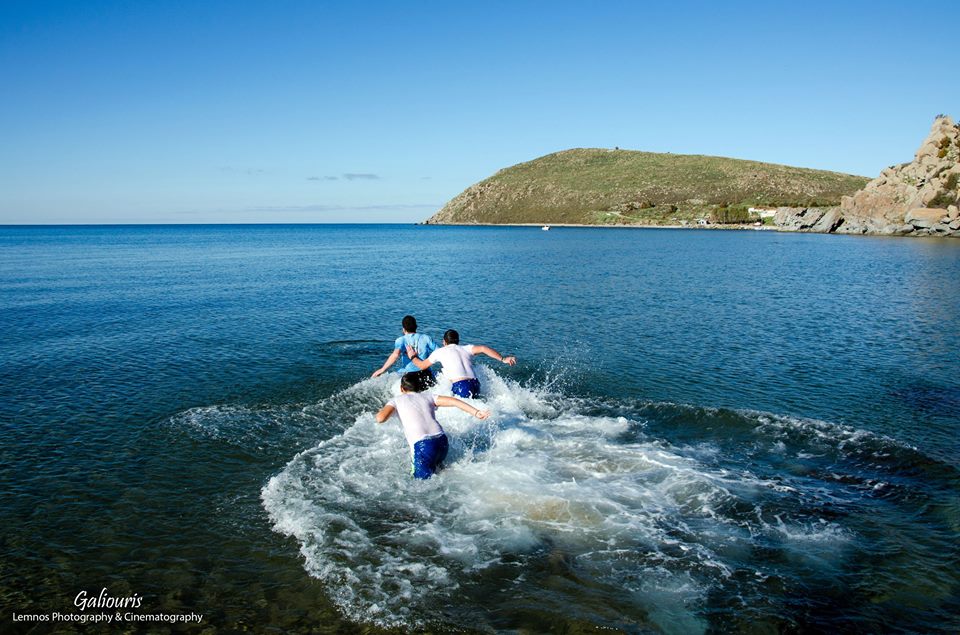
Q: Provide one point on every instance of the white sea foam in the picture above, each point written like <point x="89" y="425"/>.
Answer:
<point x="540" y="492"/>
<point x="635" y="517"/>
<point x="823" y="435"/>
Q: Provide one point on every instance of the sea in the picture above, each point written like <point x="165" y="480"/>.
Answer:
<point x="706" y="431"/>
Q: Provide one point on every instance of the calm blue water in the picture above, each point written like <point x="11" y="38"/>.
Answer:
<point x="707" y="431"/>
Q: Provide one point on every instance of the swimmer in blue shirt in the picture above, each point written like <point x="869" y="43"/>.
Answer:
<point x="421" y="344"/>
<point x="417" y="414"/>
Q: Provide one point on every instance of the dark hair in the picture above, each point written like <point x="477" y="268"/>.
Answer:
<point x="409" y="324"/>
<point x="410" y="382"/>
<point x="451" y="337"/>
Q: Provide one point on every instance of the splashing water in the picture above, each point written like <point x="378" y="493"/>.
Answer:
<point x="551" y="506"/>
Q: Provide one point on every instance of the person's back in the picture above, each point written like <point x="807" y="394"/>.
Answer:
<point x="422" y="344"/>
<point x="417" y="414"/>
<point x="456" y="361"/>
<point x="415" y="342"/>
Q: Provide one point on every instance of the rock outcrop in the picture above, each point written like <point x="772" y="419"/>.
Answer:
<point x="808" y="219"/>
<point x="919" y="198"/>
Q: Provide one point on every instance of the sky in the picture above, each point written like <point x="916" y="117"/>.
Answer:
<point x="329" y="112"/>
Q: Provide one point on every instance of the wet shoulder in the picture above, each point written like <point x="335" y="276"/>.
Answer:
<point x="414" y="398"/>
<point x="424" y="400"/>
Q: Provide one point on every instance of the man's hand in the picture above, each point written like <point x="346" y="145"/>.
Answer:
<point x="482" y="414"/>
<point x="509" y="360"/>
<point x="411" y="352"/>
<point x="377" y="372"/>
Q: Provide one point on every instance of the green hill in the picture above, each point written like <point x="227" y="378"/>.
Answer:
<point x="597" y="186"/>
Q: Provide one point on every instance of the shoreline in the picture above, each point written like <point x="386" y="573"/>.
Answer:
<point x="588" y="225"/>
<point x="765" y="228"/>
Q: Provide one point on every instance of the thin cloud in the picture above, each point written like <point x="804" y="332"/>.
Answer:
<point x="337" y="208"/>
<point x="348" y="176"/>
<point x="247" y="171"/>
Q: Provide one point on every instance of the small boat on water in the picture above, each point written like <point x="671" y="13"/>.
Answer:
<point x="545" y="228"/>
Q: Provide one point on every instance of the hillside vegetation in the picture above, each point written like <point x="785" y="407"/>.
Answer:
<point x="598" y="186"/>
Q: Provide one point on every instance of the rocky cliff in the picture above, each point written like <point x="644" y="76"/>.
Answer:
<point x="919" y="198"/>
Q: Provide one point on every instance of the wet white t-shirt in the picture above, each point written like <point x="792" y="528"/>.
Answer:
<point x="457" y="361"/>
<point x="417" y="412"/>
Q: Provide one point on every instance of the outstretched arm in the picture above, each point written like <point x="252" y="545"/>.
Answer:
<point x="456" y="403"/>
<point x="387" y="364"/>
<point x="509" y="360"/>
<point x="385" y="413"/>
<point x="422" y="364"/>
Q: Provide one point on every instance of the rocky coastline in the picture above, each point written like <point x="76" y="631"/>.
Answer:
<point x="919" y="198"/>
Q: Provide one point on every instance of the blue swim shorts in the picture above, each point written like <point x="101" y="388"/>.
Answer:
<point x="466" y="388"/>
<point x="428" y="455"/>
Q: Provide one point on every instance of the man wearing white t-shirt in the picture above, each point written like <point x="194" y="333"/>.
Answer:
<point x="417" y="413"/>
<point x="457" y="362"/>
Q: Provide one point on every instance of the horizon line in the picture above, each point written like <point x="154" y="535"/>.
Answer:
<point x="2" y="225"/>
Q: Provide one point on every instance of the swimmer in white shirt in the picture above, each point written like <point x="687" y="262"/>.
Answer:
<point x="417" y="414"/>
<point x="457" y="363"/>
